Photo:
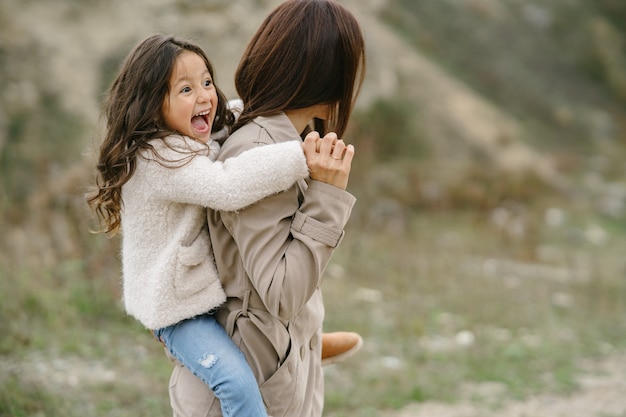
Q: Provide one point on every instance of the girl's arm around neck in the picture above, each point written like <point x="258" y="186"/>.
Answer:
<point x="235" y="183"/>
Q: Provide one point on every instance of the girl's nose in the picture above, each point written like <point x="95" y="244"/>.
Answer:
<point x="204" y="95"/>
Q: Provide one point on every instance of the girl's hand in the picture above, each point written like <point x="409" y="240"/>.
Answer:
<point x="328" y="158"/>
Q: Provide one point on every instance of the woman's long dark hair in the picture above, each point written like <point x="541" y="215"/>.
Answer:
<point x="134" y="117"/>
<point x="306" y="52"/>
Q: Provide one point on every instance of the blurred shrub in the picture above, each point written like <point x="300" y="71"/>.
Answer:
<point x="387" y="130"/>
<point x="20" y="398"/>
<point x="40" y="142"/>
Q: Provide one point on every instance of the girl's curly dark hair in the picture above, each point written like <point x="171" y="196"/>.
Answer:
<point x="134" y="117"/>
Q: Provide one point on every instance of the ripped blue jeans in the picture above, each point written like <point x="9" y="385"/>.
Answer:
<point x="204" y="347"/>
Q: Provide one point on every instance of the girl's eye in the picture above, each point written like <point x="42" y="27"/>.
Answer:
<point x="185" y="90"/>
<point x="207" y="83"/>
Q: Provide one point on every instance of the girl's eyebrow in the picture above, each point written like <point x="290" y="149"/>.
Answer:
<point x="187" y="78"/>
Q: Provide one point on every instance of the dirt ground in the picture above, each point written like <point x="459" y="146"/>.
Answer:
<point x="601" y="393"/>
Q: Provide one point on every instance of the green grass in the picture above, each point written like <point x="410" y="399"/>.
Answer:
<point x="21" y="399"/>
<point x="69" y="350"/>
<point x="414" y="297"/>
<point x="443" y="298"/>
<point x="469" y="290"/>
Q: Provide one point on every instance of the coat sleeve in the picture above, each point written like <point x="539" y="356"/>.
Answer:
<point x="285" y="242"/>
<point x="234" y="183"/>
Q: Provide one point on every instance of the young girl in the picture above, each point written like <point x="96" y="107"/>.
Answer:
<point x="157" y="175"/>
<point x="305" y="63"/>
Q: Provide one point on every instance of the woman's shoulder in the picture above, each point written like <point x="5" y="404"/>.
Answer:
<point x="244" y="138"/>
<point x="263" y="130"/>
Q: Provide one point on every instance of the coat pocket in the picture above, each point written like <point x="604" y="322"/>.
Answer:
<point x="267" y="345"/>
<point x="194" y="267"/>
<point x="284" y="387"/>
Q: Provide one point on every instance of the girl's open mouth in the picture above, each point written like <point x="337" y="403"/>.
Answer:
<point x="200" y="122"/>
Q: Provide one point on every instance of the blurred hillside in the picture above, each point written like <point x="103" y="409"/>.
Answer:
<point x="509" y="114"/>
<point x="484" y="258"/>
<point x="469" y="87"/>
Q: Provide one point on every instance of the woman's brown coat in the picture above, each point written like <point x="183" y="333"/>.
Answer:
<point x="270" y="257"/>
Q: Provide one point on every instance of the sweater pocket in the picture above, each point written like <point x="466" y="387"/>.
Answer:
<point x="194" y="267"/>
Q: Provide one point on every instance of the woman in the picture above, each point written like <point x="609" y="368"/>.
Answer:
<point x="304" y="66"/>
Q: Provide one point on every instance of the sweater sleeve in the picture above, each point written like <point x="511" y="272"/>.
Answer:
<point x="234" y="183"/>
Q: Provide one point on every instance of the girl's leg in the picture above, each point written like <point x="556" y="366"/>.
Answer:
<point x="204" y="348"/>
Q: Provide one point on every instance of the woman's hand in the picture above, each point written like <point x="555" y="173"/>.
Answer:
<point x="329" y="159"/>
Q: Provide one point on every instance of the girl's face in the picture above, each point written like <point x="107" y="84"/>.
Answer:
<point x="191" y="103"/>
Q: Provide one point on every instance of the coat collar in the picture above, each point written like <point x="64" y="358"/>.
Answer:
<point x="279" y="126"/>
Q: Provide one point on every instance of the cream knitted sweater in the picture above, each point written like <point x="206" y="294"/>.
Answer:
<point x="169" y="271"/>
